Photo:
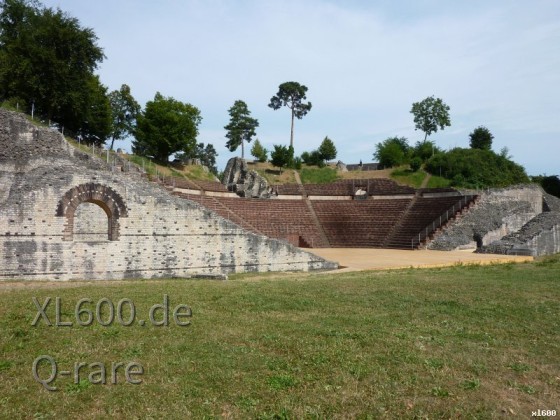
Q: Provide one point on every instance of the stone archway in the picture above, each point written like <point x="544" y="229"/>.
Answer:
<point x="105" y="197"/>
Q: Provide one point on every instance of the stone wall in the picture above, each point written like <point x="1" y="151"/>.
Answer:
<point x="541" y="236"/>
<point x="498" y="213"/>
<point x="64" y="215"/>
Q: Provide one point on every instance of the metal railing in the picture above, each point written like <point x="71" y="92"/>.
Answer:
<point x="442" y="220"/>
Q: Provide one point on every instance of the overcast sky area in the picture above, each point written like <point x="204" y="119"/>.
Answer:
<point x="495" y="63"/>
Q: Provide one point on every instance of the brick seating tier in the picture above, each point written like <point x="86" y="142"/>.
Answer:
<point x="359" y="223"/>
<point x="424" y="212"/>
<point x="287" y="189"/>
<point x="375" y="186"/>
<point x="280" y="219"/>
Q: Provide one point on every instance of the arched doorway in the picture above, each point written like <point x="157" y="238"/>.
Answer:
<point x="92" y="212"/>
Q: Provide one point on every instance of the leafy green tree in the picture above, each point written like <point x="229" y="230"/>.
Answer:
<point x="425" y="150"/>
<point x="393" y="151"/>
<point x="97" y="124"/>
<point x="165" y="127"/>
<point x="430" y="114"/>
<point x="241" y="127"/>
<point x="292" y="95"/>
<point x="124" y="111"/>
<point x="481" y="138"/>
<point x="47" y="60"/>
<point x="415" y="163"/>
<point x="327" y="149"/>
<point x="207" y="155"/>
<point x="258" y="151"/>
<point x="550" y="184"/>
<point x="281" y="156"/>
<point x="313" y="158"/>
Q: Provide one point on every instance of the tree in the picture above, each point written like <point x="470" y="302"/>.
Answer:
<point x="550" y="184"/>
<point x="124" y="111"/>
<point x="430" y="114"/>
<point x="165" y="127"/>
<point x="425" y="150"/>
<point x="291" y="94"/>
<point x="393" y="151"/>
<point x="327" y="149"/>
<point x="258" y="151"/>
<point x="96" y="127"/>
<point x="481" y="138"/>
<point x="241" y="127"/>
<point x="47" y="61"/>
<point x="207" y="155"/>
<point x="281" y="156"/>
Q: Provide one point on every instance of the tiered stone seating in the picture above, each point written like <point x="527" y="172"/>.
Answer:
<point x="358" y="223"/>
<point x="287" y="189"/>
<point x="425" y="212"/>
<point x="213" y="186"/>
<point x="289" y="220"/>
<point x="350" y="186"/>
<point x="386" y="222"/>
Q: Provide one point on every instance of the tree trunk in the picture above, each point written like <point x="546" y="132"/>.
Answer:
<point x="112" y="142"/>
<point x="292" y="131"/>
<point x="242" y="150"/>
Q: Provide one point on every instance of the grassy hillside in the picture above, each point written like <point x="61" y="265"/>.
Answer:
<point x="469" y="342"/>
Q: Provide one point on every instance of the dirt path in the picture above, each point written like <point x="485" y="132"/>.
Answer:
<point x="426" y="180"/>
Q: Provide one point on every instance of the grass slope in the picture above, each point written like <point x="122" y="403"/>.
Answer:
<point x="473" y="342"/>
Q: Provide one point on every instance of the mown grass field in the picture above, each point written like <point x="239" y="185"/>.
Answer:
<point x="464" y="341"/>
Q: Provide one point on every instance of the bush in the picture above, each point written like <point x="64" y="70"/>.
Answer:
<point x="476" y="168"/>
<point x="415" y="164"/>
<point x="393" y="151"/>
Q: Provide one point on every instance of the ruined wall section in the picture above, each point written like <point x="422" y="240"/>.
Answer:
<point x="498" y="213"/>
<point x="154" y="235"/>
<point x="541" y="236"/>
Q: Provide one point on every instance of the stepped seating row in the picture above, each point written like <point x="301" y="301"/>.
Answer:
<point x="287" y="189"/>
<point x="358" y="223"/>
<point x="390" y="223"/>
<point x="213" y="186"/>
<point x="350" y="186"/>
<point x="424" y="212"/>
<point x="183" y="183"/>
<point x="289" y="220"/>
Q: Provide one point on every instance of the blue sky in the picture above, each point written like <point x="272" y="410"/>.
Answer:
<point x="495" y="63"/>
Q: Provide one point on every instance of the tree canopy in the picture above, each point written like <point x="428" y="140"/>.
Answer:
<point x="481" y="138"/>
<point x="476" y="168"/>
<point x="165" y="127"/>
<point x="393" y="151"/>
<point x="124" y="112"/>
<point x="241" y="127"/>
<point x="292" y="95"/>
<point x="430" y="114"/>
<point x="281" y="156"/>
<point x="327" y="149"/>
<point x="258" y="151"/>
<point x="47" y="60"/>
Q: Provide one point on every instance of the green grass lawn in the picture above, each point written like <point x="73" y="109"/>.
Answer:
<point x="465" y="341"/>
<point x="408" y="177"/>
<point x="315" y="175"/>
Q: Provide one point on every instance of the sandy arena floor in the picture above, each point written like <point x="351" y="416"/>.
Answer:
<point x="350" y="259"/>
<point x="356" y="259"/>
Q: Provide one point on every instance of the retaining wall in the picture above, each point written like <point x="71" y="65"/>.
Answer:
<point x="65" y="215"/>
